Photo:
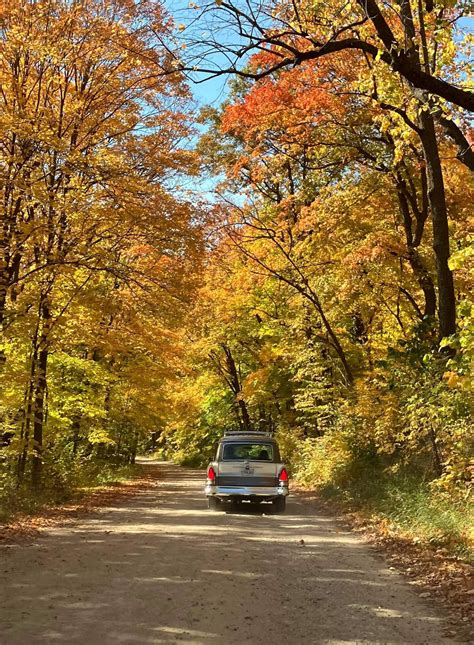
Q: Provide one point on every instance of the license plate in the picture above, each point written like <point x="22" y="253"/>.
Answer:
<point x="247" y="471"/>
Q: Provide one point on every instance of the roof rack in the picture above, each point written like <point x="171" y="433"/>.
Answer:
<point x="256" y="433"/>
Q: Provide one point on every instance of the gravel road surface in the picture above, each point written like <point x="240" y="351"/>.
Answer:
<point x="161" y="568"/>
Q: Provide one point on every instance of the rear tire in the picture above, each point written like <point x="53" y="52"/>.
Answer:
<point x="279" y="504"/>
<point x="213" y="503"/>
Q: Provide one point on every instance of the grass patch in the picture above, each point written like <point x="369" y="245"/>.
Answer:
<point x="58" y="489"/>
<point x="406" y="505"/>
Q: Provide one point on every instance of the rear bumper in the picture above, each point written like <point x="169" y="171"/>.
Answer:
<point x="246" y="492"/>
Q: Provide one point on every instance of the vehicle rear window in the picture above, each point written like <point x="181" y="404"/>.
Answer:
<point x="253" y="451"/>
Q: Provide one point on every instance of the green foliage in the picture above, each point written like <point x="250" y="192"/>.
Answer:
<point x="404" y="503"/>
<point x="191" y="440"/>
<point x="66" y="479"/>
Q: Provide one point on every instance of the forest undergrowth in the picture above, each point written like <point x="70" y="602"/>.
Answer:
<point x="22" y="502"/>
<point x="406" y="506"/>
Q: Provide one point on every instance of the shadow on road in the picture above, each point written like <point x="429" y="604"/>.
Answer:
<point x="164" y="569"/>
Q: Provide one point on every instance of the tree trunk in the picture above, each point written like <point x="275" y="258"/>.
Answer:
<point x="39" y="405"/>
<point x="234" y="382"/>
<point x="26" y="415"/>
<point x="313" y="298"/>
<point x="76" y="427"/>
<point x="133" y="453"/>
<point x="424" y="280"/>
<point x="439" y="216"/>
<point x="40" y="394"/>
<point x="4" y="283"/>
<point x="420" y="272"/>
<point x="437" y="460"/>
<point x="28" y="403"/>
<point x="246" y="423"/>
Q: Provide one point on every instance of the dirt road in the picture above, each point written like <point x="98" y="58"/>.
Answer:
<point x="163" y="569"/>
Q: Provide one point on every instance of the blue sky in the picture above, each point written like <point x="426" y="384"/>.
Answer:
<point x="210" y="91"/>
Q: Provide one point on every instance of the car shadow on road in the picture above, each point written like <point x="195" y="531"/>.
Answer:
<point x="247" y="508"/>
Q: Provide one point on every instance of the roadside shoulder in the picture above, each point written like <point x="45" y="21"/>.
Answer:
<point x="26" y="527"/>
<point x="435" y="575"/>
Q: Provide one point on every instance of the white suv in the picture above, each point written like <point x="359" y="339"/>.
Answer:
<point x="247" y="467"/>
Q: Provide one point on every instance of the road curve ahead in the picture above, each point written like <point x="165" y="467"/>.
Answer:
<point x="161" y="568"/>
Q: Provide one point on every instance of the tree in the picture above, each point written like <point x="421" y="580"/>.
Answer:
<point x="407" y="42"/>
<point x="91" y="142"/>
<point x="299" y="32"/>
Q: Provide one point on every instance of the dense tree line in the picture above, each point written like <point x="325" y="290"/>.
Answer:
<point x="336" y="307"/>
<point x="98" y="249"/>
<point x="325" y="294"/>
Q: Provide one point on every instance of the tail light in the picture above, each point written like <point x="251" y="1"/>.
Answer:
<point x="211" y="475"/>
<point x="283" y="477"/>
